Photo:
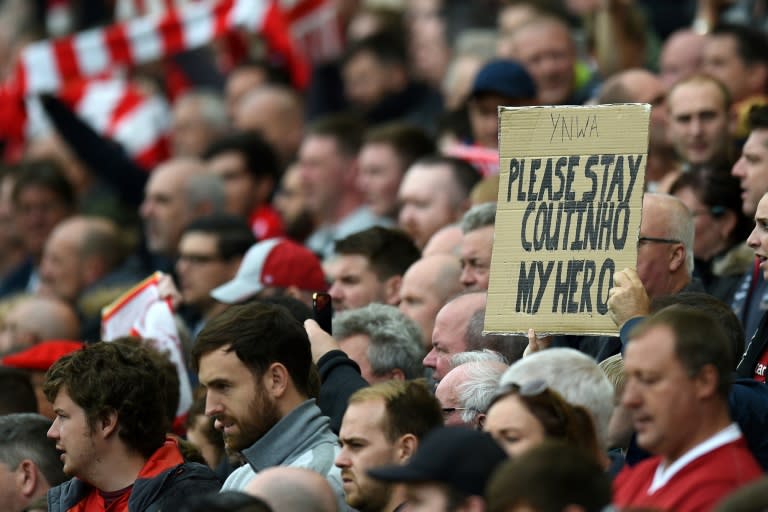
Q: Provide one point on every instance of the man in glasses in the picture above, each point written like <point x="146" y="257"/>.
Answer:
<point x="465" y="393"/>
<point x="210" y="252"/>
<point x="665" y="246"/>
<point x="664" y="264"/>
<point x="384" y="424"/>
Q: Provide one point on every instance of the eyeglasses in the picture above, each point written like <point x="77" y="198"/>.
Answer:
<point x="450" y="410"/>
<point x="653" y="239"/>
<point x="715" y="212"/>
<point x="199" y="259"/>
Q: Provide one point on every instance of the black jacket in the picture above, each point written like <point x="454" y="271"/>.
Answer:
<point x="166" y="490"/>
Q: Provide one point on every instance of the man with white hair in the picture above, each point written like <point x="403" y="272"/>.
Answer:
<point x="29" y="461"/>
<point x="383" y="342"/>
<point x="574" y="375"/>
<point x="276" y="112"/>
<point x="198" y="118"/>
<point x="171" y="202"/>
<point x="465" y="393"/>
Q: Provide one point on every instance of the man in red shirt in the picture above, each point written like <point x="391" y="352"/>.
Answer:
<point x="678" y="364"/>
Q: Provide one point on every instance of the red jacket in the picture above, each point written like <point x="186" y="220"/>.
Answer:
<point x="698" y="486"/>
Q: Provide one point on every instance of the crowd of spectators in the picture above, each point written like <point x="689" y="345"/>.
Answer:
<point x="362" y="162"/>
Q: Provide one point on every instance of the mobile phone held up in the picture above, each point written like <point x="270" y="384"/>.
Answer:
<point x="322" y="310"/>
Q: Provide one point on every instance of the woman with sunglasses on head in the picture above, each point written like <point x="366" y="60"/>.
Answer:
<point x="720" y="252"/>
<point x="521" y="417"/>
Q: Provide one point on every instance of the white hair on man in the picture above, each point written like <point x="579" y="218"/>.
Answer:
<point x="213" y="109"/>
<point x="477" y="356"/>
<point x="574" y="375"/>
<point x="475" y="393"/>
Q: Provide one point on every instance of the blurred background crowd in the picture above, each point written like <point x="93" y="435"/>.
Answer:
<point x="272" y="149"/>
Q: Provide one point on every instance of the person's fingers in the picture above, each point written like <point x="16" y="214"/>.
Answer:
<point x="634" y="278"/>
<point x="621" y="278"/>
<point x="311" y="326"/>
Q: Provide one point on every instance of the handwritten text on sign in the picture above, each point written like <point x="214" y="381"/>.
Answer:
<point x="568" y="215"/>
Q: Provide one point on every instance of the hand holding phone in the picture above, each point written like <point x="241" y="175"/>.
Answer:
<point x="322" y="310"/>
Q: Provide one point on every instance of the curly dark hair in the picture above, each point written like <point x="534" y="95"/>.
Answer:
<point x="113" y="377"/>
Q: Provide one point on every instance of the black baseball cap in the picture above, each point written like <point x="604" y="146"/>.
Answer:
<point x="459" y="457"/>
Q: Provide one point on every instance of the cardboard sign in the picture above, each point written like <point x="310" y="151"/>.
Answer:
<point x="568" y="215"/>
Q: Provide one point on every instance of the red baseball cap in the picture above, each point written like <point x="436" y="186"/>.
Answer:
<point x="41" y="356"/>
<point x="275" y="262"/>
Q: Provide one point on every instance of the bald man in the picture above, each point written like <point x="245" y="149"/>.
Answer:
<point x="641" y="86"/>
<point x="198" y="118"/>
<point x="681" y="56"/>
<point x="81" y="265"/>
<point x="22" y="328"/>
<point x="277" y="114"/>
<point x="166" y="209"/>
<point x="451" y="333"/>
<point x="426" y="287"/>
<point x="665" y="245"/>
<point x="290" y="488"/>
<point x="78" y="253"/>
<point x="446" y="240"/>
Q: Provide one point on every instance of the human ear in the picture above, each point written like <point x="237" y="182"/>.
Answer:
<point x="276" y="380"/>
<point x="27" y="478"/>
<point x="406" y="446"/>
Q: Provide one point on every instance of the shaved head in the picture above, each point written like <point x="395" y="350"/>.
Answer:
<point x="290" y="488"/>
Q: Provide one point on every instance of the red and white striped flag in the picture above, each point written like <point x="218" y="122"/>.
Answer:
<point x="314" y="28"/>
<point x="46" y="66"/>
<point x="74" y="62"/>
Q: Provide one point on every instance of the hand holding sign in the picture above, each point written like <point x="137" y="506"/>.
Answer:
<point x="535" y="343"/>
<point x="627" y="299"/>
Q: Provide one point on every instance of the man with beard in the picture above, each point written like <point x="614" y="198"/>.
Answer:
<point x="254" y="360"/>
<point x="384" y="424"/>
